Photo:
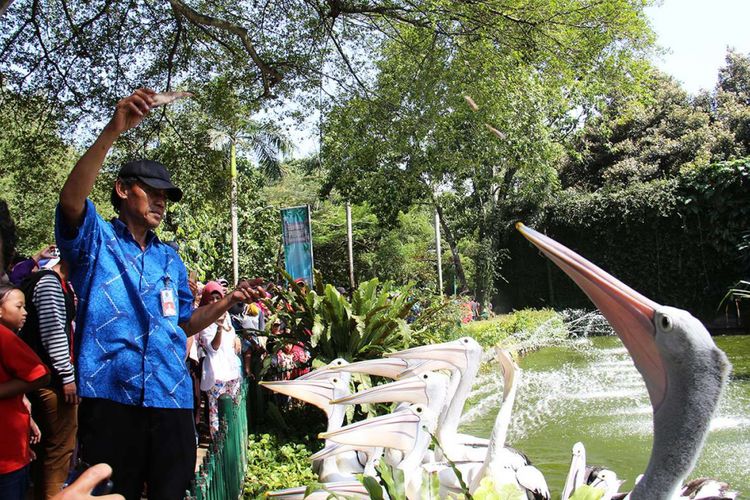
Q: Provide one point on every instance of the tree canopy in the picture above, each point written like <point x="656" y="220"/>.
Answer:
<point x="85" y="54"/>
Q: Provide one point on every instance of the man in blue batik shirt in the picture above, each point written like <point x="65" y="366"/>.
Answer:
<point x="134" y="312"/>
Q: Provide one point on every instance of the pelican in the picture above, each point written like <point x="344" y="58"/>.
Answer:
<point x="707" y="488"/>
<point x="683" y="369"/>
<point x="604" y="479"/>
<point x="503" y="465"/>
<point x="319" y="392"/>
<point x="575" y="478"/>
<point x="464" y="356"/>
<point x="407" y="431"/>
<point x="371" y="455"/>
<point x="384" y="367"/>
<point x="428" y="388"/>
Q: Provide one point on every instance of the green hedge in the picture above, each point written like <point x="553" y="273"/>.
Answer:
<point x="276" y="463"/>
<point x="537" y="324"/>
<point x="677" y="241"/>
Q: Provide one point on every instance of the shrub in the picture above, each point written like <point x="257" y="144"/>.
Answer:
<point x="275" y="463"/>
<point x="438" y="321"/>
<point x="526" y="325"/>
<point x="330" y="326"/>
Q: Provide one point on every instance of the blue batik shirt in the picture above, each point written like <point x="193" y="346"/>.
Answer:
<point x="126" y="350"/>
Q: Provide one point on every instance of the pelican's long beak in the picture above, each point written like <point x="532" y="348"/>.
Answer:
<point x="430" y="365"/>
<point x="412" y="390"/>
<point x="508" y="367"/>
<point x="630" y="313"/>
<point x="453" y="353"/>
<point x="386" y="367"/>
<point x="396" y="430"/>
<point x="576" y="472"/>
<point x="315" y="392"/>
<point x="331" y="450"/>
<point x="347" y="489"/>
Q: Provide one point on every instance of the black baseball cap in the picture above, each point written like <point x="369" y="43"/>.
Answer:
<point x="153" y="174"/>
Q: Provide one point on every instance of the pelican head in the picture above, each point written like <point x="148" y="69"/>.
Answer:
<point x="428" y="388"/>
<point x="318" y="392"/>
<point x="461" y="354"/>
<point x="577" y="470"/>
<point x="397" y="430"/>
<point x="683" y="369"/>
<point x="384" y="367"/>
<point x="325" y="371"/>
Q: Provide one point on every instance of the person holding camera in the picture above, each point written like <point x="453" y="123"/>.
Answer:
<point x="135" y="310"/>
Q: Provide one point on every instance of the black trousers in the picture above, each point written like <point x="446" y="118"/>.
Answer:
<point x="155" y="446"/>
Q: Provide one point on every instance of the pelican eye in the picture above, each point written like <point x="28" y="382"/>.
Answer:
<point x="335" y="381"/>
<point x="424" y="376"/>
<point x="419" y="410"/>
<point x="665" y="322"/>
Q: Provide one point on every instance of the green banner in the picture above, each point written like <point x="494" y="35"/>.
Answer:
<point x="297" y="235"/>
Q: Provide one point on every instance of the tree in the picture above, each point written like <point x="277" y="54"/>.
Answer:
<point x="234" y="127"/>
<point x="639" y="137"/>
<point x="86" y="54"/>
<point x="661" y="131"/>
<point x="414" y="138"/>
<point x="34" y="162"/>
<point x="732" y="99"/>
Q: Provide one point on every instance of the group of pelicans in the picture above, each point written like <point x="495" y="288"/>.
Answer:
<point x="683" y="370"/>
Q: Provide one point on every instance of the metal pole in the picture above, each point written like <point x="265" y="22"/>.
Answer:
<point x="439" y="253"/>
<point x="350" y="237"/>
<point x="233" y="209"/>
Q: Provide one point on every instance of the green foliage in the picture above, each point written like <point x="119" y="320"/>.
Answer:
<point x="587" y="492"/>
<point x="34" y="162"/>
<point x="676" y="241"/>
<point x="372" y="324"/>
<point x="662" y="131"/>
<point x="439" y="319"/>
<point x="373" y="487"/>
<point x="393" y="481"/>
<point x="274" y="463"/>
<point x="413" y="138"/>
<point x="488" y="490"/>
<point x="541" y="325"/>
<point x="645" y="137"/>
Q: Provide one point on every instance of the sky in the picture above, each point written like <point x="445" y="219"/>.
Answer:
<point x="695" y="34"/>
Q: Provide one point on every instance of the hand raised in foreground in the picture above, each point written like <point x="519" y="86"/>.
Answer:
<point x="248" y="291"/>
<point x="82" y="487"/>
<point x="131" y="110"/>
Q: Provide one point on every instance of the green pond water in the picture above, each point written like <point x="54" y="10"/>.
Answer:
<point x="588" y="390"/>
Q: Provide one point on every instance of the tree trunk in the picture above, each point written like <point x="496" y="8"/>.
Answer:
<point x="233" y="203"/>
<point x="349" y="244"/>
<point x="454" y="249"/>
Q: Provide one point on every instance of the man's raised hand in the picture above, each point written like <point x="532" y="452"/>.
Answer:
<point x="131" y="110"/>
<point x="248" y="291"/>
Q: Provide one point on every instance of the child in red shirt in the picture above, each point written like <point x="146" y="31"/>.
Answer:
<point x="21" y="371"/>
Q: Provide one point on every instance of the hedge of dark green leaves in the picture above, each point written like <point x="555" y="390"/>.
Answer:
<point x="276" y="463"/>
<point x="677" y="241"/>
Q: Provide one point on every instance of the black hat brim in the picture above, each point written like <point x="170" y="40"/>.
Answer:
<point x="173" y="192"/>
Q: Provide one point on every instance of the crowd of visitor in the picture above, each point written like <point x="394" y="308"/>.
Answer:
<point x="110" y="352"/>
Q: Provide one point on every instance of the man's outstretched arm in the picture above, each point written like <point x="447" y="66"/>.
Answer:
<point x="129" y="112"/>
<point x="205" y="315"/>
